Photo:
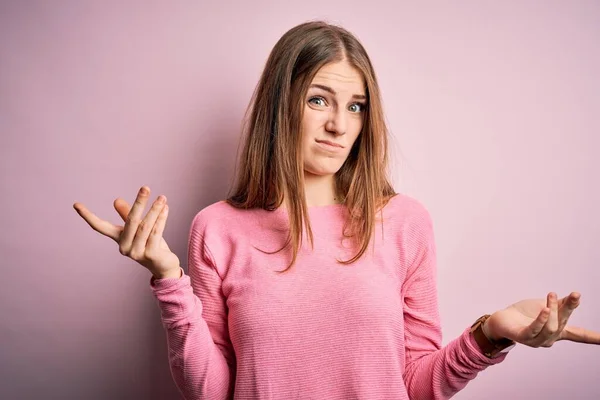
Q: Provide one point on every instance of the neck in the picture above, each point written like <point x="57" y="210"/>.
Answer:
<point x="320" y="190"/>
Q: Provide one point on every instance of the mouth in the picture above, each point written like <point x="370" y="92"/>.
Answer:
<point x="329" y="144"/>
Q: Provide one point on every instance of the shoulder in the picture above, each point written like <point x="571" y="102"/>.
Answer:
<point x="220" y="224"/>
<point x="410" y="224"/>
<point x="213" y="233"/>
<point x="218" y="215"/>
<point x="407" y="211"/>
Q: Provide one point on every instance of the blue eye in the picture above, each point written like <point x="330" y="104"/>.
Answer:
<point x="360" y="106"/>
<point x="316" y="98"/>
<point x="355" y="108"/>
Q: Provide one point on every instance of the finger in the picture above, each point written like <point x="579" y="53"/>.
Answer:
<point x="145" y="227"/>
<point x="535" y="328"/>
<point x="566" y="306"/>
<point x="571" y="300"/>
<point x="133" y="220"/>
<point x="123" y="208"/>
<point x="580" y="335"/>
<point x="97" y="224"/>
<point x="551" y="326"/>
<point x="159" y="228"/>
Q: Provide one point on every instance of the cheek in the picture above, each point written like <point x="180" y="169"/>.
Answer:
<point x="354" y="132"/>
<point x="358" y="125"/>
<point x="312" y="120"/>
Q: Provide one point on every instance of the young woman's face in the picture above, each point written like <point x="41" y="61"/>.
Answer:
<point x="333" y="117"/>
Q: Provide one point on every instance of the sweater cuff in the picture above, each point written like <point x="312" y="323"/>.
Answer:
<point x="175" y="297"/>
<point x="474" y="353"/>
<point x="155" y="282"/>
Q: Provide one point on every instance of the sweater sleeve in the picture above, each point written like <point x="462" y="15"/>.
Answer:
<point x="194" y="315"/>
<point x="433" y="371"/>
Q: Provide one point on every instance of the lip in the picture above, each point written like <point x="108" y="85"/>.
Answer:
<point x="331" y="146"/>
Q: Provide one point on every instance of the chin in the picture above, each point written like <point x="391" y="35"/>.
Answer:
<point x="322" y="171"/>
<point x="324" y="168"/>
<point x="320" y="174"/>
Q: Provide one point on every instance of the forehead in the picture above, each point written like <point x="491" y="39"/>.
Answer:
<point x="340" y="76"/>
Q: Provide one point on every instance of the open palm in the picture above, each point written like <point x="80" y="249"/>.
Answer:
<point x="539" y="322"/>
<point x="141" y="238"/>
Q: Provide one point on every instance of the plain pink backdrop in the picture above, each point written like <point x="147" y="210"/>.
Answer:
<point x="494" y="109"/>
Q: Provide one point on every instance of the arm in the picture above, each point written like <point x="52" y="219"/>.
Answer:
<point x="194" y="315"/>
<point x="433" y="371"/>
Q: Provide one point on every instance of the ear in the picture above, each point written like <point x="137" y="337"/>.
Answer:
<point x="122" y="208"/>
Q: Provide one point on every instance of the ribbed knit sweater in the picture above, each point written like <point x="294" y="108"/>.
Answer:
<point x="369" y="330"/>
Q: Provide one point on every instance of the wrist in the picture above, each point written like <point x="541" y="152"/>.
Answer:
<point x="488" y="332"/>
<point x="492" y="345"/>
<point x="171" y="274"/>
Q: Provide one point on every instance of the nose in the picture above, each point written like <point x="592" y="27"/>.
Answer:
<point x="337" y="123"/>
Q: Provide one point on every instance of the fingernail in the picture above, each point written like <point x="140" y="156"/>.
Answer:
<point x="161" y="199"/>
<point x="144" y="190"/>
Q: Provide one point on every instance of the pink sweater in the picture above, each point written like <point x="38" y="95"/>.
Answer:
<point x="370" y="330"/>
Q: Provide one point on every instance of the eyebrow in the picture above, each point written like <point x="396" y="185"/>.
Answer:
<point x="330" y="90"/>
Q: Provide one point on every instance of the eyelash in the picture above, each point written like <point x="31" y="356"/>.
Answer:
<point x="362" y="105"/>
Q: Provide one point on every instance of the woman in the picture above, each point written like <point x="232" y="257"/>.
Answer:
<point x="315" y="280"/>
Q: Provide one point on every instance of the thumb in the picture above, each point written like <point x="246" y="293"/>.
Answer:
<point x="122" y="208"/>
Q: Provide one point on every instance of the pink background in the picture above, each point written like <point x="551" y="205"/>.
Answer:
<point x="494" y="109"/>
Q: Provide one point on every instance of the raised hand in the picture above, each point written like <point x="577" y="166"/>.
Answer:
<point x="140" y="239"/>
<point x="539" y="322"/>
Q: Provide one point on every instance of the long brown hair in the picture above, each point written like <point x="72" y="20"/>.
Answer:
<point x="270" y="167"/>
